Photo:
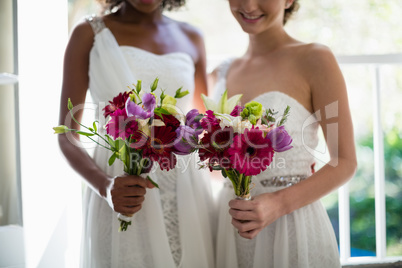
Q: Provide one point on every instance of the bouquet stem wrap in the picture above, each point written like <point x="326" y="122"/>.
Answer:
<point x="245" y="197"/>
<point x="241" y="184"/>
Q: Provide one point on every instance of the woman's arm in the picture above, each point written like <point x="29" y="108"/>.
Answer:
<point x="329" y="97"/>
<point x="200" y="62"/>
<point x="75" y="85"/>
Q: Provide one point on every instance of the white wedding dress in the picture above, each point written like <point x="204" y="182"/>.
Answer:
<point x="173" y="228"/>
<point x="303" y="238"/>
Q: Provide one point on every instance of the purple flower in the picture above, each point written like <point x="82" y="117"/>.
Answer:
<point x="237" y="110"/>
<point x="280" y="139"/>
<point x="186" y="140"/>
<point x="149" y="102"/>
<point x="137" y="111"/>
<point x="190" y="118"/>
<point x="192" y="121"/>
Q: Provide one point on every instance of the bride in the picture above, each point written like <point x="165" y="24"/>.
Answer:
<point x="105" y="54"/>
<point x="285" y="225"/>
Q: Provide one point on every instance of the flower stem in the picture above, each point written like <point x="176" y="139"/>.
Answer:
<point x="96" y="133"/>
<point x="239" y="185"/>
<point x="124" y="225"/>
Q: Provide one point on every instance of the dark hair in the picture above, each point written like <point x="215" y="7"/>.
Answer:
<point x="166" y="4"/>
<point x="290" y="10"/>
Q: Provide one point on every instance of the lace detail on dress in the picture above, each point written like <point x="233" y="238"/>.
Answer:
<point x="96" y="23"/>
<point x="245" y="251"/>
<point x="167" y="186"/>
<point x="223" y="68"/>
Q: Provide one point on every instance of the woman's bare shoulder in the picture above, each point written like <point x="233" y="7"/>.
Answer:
<point x="193" y="33"/>
<point x="314" y="55"/>
<point x="82" y="32"/>
<point x="314" y="59"/>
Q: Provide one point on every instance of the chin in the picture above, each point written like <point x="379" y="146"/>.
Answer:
<point x="250" y="29"/>
<point x="145" y="6"/>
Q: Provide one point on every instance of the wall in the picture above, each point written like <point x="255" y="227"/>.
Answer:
<point x="9" y="201"/>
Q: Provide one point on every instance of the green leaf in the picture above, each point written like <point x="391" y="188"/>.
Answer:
<point x="271" y="119"/>
<point x="138" y="87"/>
<point x="209" y="103"/>
<point x="94" y="125"/>
<point x="223" y="103"/>
<point x="118" y="144"/>
<point x="112" y="159"/>
<point x="285" y="116"/>
<point x="154" y="183"/>
<point x="224" y="173"/>
<point x="110" y="140"/>
<point x="270" y="112"/>
<point x="232" y="102"/>
<point x="85" y="133"/>
<point x="154" y="84"/>
<point x="217" y="167"/>
<point x="70" y="104"/>
<point x="122" y="152"/>
<point x="161" y="111"/>
<point x="180" y="94"/>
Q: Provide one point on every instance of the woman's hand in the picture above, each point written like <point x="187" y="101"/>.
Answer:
<point x="251" y="216"/>
<point x="125" y="193"/>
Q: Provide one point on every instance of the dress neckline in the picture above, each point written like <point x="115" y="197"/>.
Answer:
<point x="170" y="54"/>
<point x="293" y="100"/>
<point x="99" y="26"/>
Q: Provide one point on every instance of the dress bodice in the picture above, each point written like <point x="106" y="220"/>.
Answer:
<point x="174" y="70"/>
<point x="113" y="70"/>
<point x="301" y="125"/>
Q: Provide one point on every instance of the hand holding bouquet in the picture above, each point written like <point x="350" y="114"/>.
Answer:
<point x="143" y="128"/>
<point x="240" y="141"/>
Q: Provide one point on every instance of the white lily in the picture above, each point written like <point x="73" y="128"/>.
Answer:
<point x="157" y="123"/>
<point x="226" y="120"/>
<point x="224" y="105"/>
<point x="240" y="125"/>
<point x="143" y="126"/>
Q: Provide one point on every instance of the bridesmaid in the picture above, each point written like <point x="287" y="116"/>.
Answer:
<point x="105" y="54"/>
<point x="285" y="225"/>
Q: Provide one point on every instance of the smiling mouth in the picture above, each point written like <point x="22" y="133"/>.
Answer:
<point x="250" y="18"/>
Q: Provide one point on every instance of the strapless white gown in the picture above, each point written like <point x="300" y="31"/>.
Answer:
<point x="303" y="238"/>
<point x="173" y="228"/>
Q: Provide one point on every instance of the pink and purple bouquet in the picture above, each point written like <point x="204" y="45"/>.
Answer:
<point x="241" y="141"/>
<point x="142" y="129"/>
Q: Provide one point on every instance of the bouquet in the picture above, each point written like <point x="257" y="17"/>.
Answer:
<point x="143" y="128"/>
<point x="241" y="141"/>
